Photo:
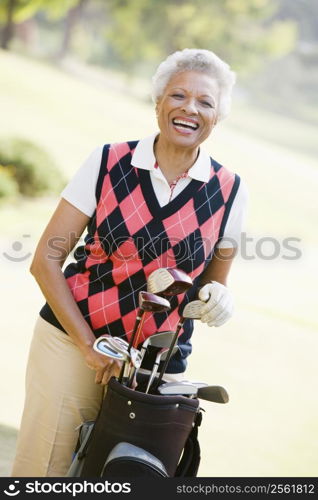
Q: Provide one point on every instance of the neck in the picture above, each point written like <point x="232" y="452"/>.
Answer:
<point x="173" y="160"/>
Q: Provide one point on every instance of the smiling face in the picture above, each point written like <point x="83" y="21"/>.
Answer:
<point x="187" y="110"/>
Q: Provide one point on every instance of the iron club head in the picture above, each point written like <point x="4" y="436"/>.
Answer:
<point x="161" y="356"/>
<point x="174" y="388"/>
<point x="213" y="393"/>
<point x="159" y="339"/>
<point x="102" y="346"/>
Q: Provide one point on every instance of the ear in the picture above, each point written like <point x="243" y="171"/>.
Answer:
<point x="158" y="102"/>
<point x="216" y="118"/>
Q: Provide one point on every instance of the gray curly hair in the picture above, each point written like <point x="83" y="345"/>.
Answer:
<point x="200" y="60"/>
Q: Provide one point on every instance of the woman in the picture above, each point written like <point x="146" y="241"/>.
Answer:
<point x="146" y="204"/>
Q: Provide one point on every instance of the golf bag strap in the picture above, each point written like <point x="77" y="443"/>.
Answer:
<point x="191" y="457"/>
<point x="86" y="439"/>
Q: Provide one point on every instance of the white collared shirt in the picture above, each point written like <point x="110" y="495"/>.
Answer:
<point x="80" y="191"/>
<point x="144" y="157"/>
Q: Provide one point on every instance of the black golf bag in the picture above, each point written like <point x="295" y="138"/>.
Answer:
<point x="137" y="434"/>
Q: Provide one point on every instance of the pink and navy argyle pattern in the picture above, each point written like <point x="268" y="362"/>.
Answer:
<point x="130" y="235"/>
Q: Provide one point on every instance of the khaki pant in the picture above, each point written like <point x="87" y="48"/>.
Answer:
<point x="60" y="394"/>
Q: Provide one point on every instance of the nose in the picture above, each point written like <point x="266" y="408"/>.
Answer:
<point x="189" y="107"/>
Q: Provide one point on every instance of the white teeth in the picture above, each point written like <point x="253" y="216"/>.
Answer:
<point x="184" y="122"/>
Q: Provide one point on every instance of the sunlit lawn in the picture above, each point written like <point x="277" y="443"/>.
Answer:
<point x="266" y="355"/>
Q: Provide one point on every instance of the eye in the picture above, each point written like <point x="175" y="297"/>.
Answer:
<point x="207" y="104"/>
<point x="178" y="96"/>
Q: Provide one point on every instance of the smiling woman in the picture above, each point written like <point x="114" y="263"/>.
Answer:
<point x="148" y="204"/>
<point x="203" y="62"/>
<point x="186" y="113"/>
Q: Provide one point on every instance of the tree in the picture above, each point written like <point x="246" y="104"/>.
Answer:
<point x="73" y="17"/>
<point x="13" y="12"/>
<point x="305" y="12"/>
<point x="242" y="32"/>
<point x="8" y="27"/>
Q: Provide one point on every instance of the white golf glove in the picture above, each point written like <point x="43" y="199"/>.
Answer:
<point x="219" y="304"/>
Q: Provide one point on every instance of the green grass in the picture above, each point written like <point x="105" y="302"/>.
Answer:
<point x="8" y="442"/>
<point x="280" y="130"/>
<point x="266" y="356"/>
<point x="62" y="113"/>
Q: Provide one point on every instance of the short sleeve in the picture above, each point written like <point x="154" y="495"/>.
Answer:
<point x="80" y="191"/>
<point x="236" y="220"/>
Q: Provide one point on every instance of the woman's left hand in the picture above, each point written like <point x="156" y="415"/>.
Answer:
<point x="219" y="304"/>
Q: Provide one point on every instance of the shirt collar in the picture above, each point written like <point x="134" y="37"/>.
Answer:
<point x="144" y="157"/>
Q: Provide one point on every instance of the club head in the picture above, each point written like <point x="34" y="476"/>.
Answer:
<point x="168" y="281"/>
<point x="197" y="383"/>
<point x="121" y="341"/>
<point x="119" y="344"/>
<point x="162" y="354"/>
<point x="159" y="339"/>
<point x="174" y="388"/>
<point x="193" y="309"/>
<point x="102" y="346"/>
<point x="114" y="340"/>
<point x="213" y="393"/>
<point x="154" y="303"/>
<point x="135" y="358"/>
<point x="131" y="364"/>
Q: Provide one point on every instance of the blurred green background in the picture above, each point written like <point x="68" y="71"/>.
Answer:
<point x="76" y="74"/>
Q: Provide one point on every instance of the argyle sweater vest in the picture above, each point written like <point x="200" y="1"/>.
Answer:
<point x="130" y="235"/>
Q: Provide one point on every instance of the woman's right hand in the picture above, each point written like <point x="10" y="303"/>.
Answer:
<point x="65" y="227"/>
<point x="104" y="367"/>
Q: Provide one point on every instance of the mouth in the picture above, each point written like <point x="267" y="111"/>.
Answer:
<point x="185" y="125"/>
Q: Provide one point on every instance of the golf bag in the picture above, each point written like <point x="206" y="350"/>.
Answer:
<point x="137" y="434"/>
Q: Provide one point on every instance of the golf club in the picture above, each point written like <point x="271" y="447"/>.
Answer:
<point x="147" y="302"/>
<point x="191" y="310"/>
<point x="174" y="388"/>
<point x="160" y="356"/>
<point x="102" y="346"/>
<point x="160" y="339"/>
<point x="114" y="343"/>
<point x="133" y="368"/>
<point x="168" y="281"/>
<point x="131" y="361"/>
<point x="130" y="368"/>
<point x="194" y="382"/>
<point x="109" y="346"/>
<point x="118" y="343"/>
<point x="213" y="393"/>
